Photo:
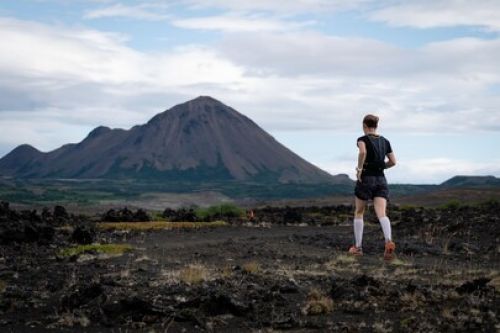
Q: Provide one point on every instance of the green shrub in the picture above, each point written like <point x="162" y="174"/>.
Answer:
<point x="452" y="204"/>
<point x="218" y="212"/>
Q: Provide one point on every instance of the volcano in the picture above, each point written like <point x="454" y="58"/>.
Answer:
<point x="199" y="140"/>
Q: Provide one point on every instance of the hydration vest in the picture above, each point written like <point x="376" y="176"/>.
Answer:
<point x="379" y="151"/>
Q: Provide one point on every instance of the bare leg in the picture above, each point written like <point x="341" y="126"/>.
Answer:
<point x="380" y="208"/>
<point x="380" y="205"/>
<point x="358" y="222"/>
<point x="360" y="208"/>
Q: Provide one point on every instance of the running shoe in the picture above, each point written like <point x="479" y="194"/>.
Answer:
<point x="389" y="250"/>
<point x="355" y="251"/>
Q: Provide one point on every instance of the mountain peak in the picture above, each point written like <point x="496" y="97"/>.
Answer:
<point x="204" y="99"/>
<point x="99" y="130"/>
<point x="19" y="156"/>
<point x="205" y="104"/>
<point x="201" y="140"/>
<point x="200" y="106"/>
<point x="27" y="148"/>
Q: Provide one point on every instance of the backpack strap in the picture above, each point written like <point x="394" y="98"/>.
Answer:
<point x="379" y="150"/>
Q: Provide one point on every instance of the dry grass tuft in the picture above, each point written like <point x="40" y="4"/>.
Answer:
<point x="115" y="249"/>
<point x="404" y="271"/>
<point x="226" y="271"/>
<point x="69" y="319"/>
<point x="446" y="244"/>
<point x="410" y="301"/>
<point x="447" y="313"/>
<point x="193" y="274"/>
<point x="317" y="303"/>
<point x="65" y="228"/>
<point x="382" y="327"/>
<point x="399" y="262"/>
<point x="158" y="225"/>
<point x="495" y="281"/>
<point x="342" y="262"/>
<point x="345" y="259"/>
<point x="251" y="267"/>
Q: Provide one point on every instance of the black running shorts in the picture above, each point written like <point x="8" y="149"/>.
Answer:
<point x="370" y="187"/>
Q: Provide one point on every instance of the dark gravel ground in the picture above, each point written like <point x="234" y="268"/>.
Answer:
<point x="255" y="278"/>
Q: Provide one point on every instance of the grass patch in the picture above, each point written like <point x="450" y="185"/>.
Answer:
<point x="99" y="248"/>
<point x="342" y="262"/>
<point x="399" y="262"/>
<point x="343" y="259"/>
<point x="158" y="225"/>
<point x="193" y="274"/>
<point x="251" y="267"/>
<point x="317" y="303"/>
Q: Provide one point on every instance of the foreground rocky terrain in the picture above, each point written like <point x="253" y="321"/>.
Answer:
<point x="286" y="270"/>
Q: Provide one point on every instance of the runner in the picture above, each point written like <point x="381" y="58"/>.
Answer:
<point x="371" y="183"/>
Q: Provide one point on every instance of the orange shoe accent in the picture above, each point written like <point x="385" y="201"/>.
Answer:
<point x="355" y="251"/>
<point x="390" y="247"/>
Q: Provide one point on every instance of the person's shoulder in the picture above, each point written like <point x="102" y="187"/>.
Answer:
<point x="362" y="138"/>
<point x="387" y="143"/>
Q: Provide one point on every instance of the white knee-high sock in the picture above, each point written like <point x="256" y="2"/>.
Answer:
<point x="385" y="223"/>
<point x="358" y="231"/>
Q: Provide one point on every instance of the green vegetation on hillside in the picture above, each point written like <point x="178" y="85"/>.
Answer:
<point x="219" y="211"/>
<point x="88" y="192"/>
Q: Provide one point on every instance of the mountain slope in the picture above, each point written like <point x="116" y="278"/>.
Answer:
<point x="471" y="181"/>
<point x="200" y="140"/>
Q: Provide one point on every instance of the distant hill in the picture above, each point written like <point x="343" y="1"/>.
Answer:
<point x="196" y="141"/>
<point x="471" y="181"/>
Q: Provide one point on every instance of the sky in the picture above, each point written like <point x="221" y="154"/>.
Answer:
<point x="306" y="71"/>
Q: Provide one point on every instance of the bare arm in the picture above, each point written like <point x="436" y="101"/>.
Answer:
<point x="361" y="159"/>
<point x="391" y="162"/>
<point x="361" y="154"/>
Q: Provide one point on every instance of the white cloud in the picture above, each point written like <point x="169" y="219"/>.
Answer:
<point x="412" y="13"/>
<point x="437" y="170"/>
<point x="313" y="53"/>
<point x="339" y="79"/>
<point x="422" y="14"/>
<point x="41" y="134"/>
<point x="67" y="57"/>
<point x="441" y="13"/>
<point x="143" y="11"/>
<point x="421" y="171"/>
<point x="286" y="81"/>
<point x="280" y="6"/>
<point x="294" y="81"/>
<point x="89" y="78"/>
<point x="239" y="23"/>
